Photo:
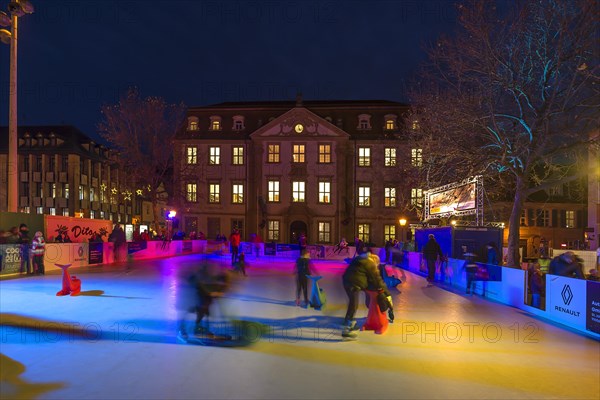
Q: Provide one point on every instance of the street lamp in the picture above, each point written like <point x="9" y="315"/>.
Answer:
<point x="16" y="9"/>
<point x="402" y="225"/>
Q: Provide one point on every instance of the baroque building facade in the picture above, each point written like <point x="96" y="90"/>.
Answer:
<point x="328" y="169"/>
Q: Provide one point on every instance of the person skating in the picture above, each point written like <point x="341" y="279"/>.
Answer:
<point x="302" y="268"/>
<point x="431" y="252"/>
<point x="362" y="274"/>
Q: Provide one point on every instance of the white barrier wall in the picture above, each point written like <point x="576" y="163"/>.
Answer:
<point x="569" y="301"/>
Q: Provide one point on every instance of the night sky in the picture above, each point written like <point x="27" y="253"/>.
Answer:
<point x="75" y="56"/>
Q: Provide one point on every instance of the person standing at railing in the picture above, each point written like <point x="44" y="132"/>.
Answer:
<point x="431" y="252"/>
<point x="25" y="242"/>
<point x="38" y="245"/>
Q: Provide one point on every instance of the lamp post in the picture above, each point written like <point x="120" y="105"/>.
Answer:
<point x="402" y="225"/>
<point x="16" y="9"/>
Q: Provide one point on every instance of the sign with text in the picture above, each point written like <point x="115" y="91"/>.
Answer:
<point x="566" y="300"/>
<point x="10" y="255"/>
<point x="134" y="247"/>
<point x="592" y="322"/>
<point x="79" y="229"/>
<point x="270" y="249"/>
<point x="96" y="253"/>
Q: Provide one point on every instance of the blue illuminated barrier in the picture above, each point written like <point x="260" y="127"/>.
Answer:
<point x="571" y="302"/>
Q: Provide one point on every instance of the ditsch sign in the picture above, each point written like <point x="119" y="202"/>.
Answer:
<point x="79" y="229"/>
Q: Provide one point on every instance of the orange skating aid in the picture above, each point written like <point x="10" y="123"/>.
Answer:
<point x="75" y="285"/>
<point x="376" y="319"/>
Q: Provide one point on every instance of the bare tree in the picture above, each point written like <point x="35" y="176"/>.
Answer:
<point x="512" y="95"/>
<point x="143" y="132"/>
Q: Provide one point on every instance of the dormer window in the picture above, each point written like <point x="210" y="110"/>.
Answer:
<point x="364" y="122"/>
<point x="193" y="123"/>
<point x="238" y="123"/>
<point x="215" y="123"/>
<point x="390" y="122"/>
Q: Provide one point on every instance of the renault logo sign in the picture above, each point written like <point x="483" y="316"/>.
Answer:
<point x="567" y="295"/>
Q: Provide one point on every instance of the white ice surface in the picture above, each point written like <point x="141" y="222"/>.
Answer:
<point x="442" y="345"/>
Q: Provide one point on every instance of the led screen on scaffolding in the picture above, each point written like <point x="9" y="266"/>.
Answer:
<point x="460" y="198"/>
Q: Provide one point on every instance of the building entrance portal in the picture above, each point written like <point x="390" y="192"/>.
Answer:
<point x="296" y="228"/>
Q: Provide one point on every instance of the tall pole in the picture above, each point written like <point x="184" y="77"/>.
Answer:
<point x="13" y="182"/>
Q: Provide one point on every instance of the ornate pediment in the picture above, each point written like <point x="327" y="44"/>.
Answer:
<point x="297" y="123"/>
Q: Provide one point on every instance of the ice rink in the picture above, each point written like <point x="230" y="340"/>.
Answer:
<point x="117" y="341"/>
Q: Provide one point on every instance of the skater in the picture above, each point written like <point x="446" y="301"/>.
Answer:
<point x="431" y="252"/>
<point x="234" y="240"/>
<point x="303" y="267"/>
<point x="212" y="282"/>
<point x="240" y="265"/>
<point x="342" y="245"/>
<point x="37" y="251"/>
<point x="362" y="274"/>
<point x="471" y="269"/>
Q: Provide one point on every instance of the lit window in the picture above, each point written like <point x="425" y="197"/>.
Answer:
<point x="80" y="192"/>
<point x="416" y="197"/>
<point x="273" y="191"/>
<point x="39" y="210"/>
<point x="364" y="196"/>
<point x="389" y="232"/>
<point x="214" y="157"/>
<point x="92" y="214"/>
<point x="65" y="212"/>
<point x="416" y="157"/>
<point x="298" y="153"/>
<point x="273" y="230"/>
<point x="389" y="197"/>
<point x="389" y="157"/>
<point x="66" y="190"/>
<point x="324" y="153"/>
<point x="364" y="156"/>
<point x="390" y="122"/>
<point x="324" y="192"/>
<point x="415" y="125"/>
<point x="52" y="211"/>
<point x="364" y="122"/>
<point x="298" y="191"/>
<point x="191" y="155"/>
<point x="237" y="155"/>
<point x="324" y="232"/>
<point x="570" y="219"/>
<point x="273" y="153"/>
<point x="92" y="194"/>
<point x="215" y="123"/>
<point x="191" y="192"/>
<point x="364" y="232"/>
<point x="192" y="123"/>
<point x="53" y="189"/>
<point x="238" y="193"/>
<point x="214" y="192"/>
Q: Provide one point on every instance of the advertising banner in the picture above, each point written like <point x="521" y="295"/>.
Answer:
<point x="456" y="199"/>
<point x="134" y="247"/>
<point x="270" y="249"/>
<point x="80" y="230"/>
<point x="488" y="273"/>
<point x="566" y="300"/>
<point x="10" y="255"/>
<point x="96" y="253"/>
<point x="592" y="322"/>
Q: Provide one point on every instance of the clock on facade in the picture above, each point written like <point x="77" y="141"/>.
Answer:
<point x="299" y="128"/>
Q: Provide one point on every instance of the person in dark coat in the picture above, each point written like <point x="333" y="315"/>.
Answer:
<point x="492" y="254"/>
<point x="362" y="274"/>
<point x="25" y="242"/>
<point x="567" y="265"/>
<point x="302" y="268"/>
<point x="431" y="251"/>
